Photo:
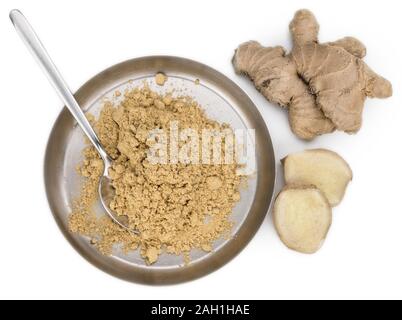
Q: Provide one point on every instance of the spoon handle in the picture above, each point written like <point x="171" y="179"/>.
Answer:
<point x="37" y="49"/>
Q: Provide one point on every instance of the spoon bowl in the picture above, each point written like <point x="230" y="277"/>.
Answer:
<point x="106" y="195"/>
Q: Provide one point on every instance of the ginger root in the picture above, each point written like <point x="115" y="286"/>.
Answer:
<point x="323" y="86"/>
<point x="316" y="180"/>
<point x="322" y="168"/>
<point x="302" y="217"/>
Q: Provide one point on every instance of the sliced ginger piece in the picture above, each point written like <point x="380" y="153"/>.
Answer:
<point x="302" y="217"/>
<point x="322" y="168"/>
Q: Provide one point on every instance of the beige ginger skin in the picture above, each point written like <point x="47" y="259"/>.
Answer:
<point x="323" y="86"/>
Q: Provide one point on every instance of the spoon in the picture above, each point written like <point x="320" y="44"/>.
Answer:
<point x="31" y="40"/>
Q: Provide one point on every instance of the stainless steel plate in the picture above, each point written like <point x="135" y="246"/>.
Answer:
<point x="223" y="100"/>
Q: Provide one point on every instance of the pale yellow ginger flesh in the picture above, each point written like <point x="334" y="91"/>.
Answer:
<point x="302" y="217"/>
<point x="323" y="86"/>
<point x="322" y="168"/>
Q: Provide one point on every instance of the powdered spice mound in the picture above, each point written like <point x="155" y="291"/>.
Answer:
<point x="175" y="207"/>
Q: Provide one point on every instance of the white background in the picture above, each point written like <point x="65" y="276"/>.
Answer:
<point x="362" y="257"/>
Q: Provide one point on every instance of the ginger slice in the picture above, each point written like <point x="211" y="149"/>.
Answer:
<point x="322" y="168"/>
<point x="302" y="217"/>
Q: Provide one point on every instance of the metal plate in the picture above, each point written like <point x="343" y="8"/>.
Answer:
<point x="224" y="101"/>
